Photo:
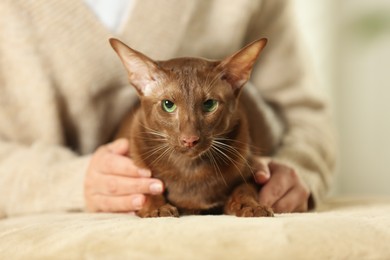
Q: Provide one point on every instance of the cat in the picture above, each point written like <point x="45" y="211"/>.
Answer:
<point x="191" y="130"/>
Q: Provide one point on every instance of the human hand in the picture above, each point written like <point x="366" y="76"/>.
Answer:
<point x="283" y="189"/>
<point x="114" y="184"/>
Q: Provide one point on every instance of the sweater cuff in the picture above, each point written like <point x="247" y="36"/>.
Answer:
<point x="68" y="187"/>
<point x="41" y="178"/>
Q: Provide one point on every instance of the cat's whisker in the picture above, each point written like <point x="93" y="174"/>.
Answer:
<point x="215" y="165"/>
<point x="220" y="156"/>
<point x="230" y="140"/>
<point x="152" y="135"/>
<point x="151" y="153"/>
<point x="154" y="151"/>
<point x="246" y="145"/>
<point x="225" y="148"/>
<point x="236" y="151"/>
<point x="254" y="148"/>
<point x="232" y="161"/>
<point x="153" y="131"/>
<point x="170" y="155"/>
<point x="153" y="141"/>
<point x="233" y="150"/>
<point x="162" y="155"/>
<point x="157" y="140"/>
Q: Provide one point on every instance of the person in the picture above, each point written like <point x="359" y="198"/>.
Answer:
<point x="63" y="93"/>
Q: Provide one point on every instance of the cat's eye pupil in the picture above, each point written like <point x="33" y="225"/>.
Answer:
<point x="210" y="105"/>
<point x="168" y="106"/>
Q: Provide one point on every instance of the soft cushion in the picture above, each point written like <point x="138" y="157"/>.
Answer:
<point x="341" y="229"/>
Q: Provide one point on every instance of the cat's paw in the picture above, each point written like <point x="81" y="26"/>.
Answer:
<point x="250" y="210"/>
<point x="167" y="210"/>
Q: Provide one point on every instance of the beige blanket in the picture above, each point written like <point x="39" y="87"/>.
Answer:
<point x="342" y="229"/>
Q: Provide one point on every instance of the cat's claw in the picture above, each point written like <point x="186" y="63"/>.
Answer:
<point x="251" y="210"/>
<point x="166" y="210"/>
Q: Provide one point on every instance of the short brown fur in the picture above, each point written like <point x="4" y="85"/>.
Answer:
<point x="204" y="158"/>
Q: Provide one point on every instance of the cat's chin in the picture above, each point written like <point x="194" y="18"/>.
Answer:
<point x="193" y="153"/>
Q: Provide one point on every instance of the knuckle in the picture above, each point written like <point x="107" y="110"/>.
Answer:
<point x="125" y="167"/>
<point x="122" y="205"/>
<point x="107" y="161"/>
<point x="105" y="158"/>
<point x="293" y="175"/>
<point x="139" y="186"/>
<point x="98" y="159"/>
<point x="93" y="203"/>
<point x="277" y="192"/>
<point x="304" y="192"/>
<point x="101" y="151"/>
<point x="277" y="208"/>
<point x="90" y="181"/>
<point x="280" y="208"/>
<point x="128" y="204"/>
<point x="284" y="206"/>
<point x="112" y="186"/>
<point x="105" y="204"/>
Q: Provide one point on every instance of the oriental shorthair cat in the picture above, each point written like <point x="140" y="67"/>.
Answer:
<point x="191" y="130"/>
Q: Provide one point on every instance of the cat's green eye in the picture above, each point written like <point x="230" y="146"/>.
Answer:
<point x="210" y="105"/>
<point x="168" y="106"/>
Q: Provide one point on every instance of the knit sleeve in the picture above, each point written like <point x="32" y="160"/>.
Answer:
<point x="40" y="178"/>
<point x="36" y="174"/>
<point x="285" y="82"/>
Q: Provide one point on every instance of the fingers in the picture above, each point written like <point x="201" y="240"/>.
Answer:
<point x="130" y="203"/>
<point x="262" y="172"/>
<point x="294" y="201"/>
<point x="110" y="159"/>
<point x="280" y="183"/>
<point x="285" y="191"/>
<point x="122" y="186"/>
<point x="119" y="146"/>
<point x="110" y="163"/>
<point x="113" y="183"/>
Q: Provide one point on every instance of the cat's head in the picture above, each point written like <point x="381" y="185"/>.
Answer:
<point x="188" y="103"/>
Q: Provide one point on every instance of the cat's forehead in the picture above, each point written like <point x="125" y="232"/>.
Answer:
<point x="189" y="78"/>
<point x="188" y="67"/>
<point x="189" y="74"/>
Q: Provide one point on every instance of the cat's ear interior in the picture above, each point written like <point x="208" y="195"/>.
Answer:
<point x="142" y="71"/>
<point x="238" y="67"/>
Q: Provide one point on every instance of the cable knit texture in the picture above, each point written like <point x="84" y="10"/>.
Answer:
<point x="63" y="91"/>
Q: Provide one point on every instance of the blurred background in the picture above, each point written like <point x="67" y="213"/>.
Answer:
<point x="349" y="42"/>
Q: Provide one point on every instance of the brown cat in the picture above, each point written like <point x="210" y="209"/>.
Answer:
<point x="191" y="131"/>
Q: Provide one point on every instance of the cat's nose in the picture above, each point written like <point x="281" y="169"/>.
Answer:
<point x="190" y="141"/>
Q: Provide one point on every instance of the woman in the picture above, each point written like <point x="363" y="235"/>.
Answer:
<point x="63" y="93"/>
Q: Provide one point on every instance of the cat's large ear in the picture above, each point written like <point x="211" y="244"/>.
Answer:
<point x="142" y="71"/>
<point x="238" y="67"/>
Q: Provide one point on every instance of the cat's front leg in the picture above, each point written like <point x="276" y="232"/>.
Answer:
<point x="157" y="206"/>
<point x="243" y="202"/>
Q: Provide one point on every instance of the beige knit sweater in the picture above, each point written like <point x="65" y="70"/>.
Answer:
<point x="63" y="90"/>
